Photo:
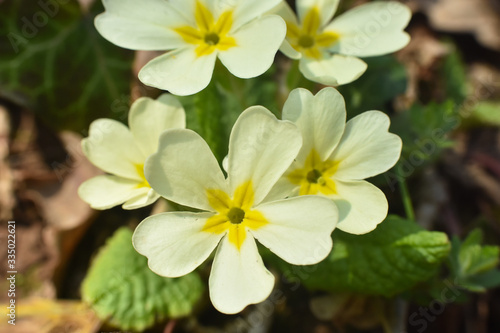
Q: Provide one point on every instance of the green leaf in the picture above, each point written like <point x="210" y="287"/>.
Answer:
<point x="454" y="74"/>
<point x="389" y="260"/>
<point x="424" y="131"/>
<point x="481" y="282"/>
<point x="472" y="265"/>
<point x="474" y="258"/>
<point x="52" y="57"/>
<point x="124" y="291"/>
<point x="384" y="79"/>
<point x="485" y="113"/>
<point x="204" y="112"/>
<point x="295" y="79"/>
<point x="213" y="111"/>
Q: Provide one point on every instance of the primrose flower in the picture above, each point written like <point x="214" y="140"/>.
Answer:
<point x="336" y="156"/>
<point x="328" y="50"/>
<point x="121" y="152"/>
<point x="184" y="170"/>
<point x="198" y="32"/>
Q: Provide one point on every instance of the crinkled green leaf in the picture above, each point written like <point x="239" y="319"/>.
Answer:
<point x="389" y="260"/>
<point x="52" y="57"/>
<point x="472" y="265"/>
<point x="124" y="291"/>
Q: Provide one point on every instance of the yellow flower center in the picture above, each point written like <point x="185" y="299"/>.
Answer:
<point x="315" y="176"/>
<point x="309" y="38"/>
<point x="140" y="172"/>
<point x="235" y="215"/>
<point x="209" y="35"/>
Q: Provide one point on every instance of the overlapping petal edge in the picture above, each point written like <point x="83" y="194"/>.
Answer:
<point x="261" y="149"/>
<point x="328" y="49"/>
<point x="196" y="33"/>
<point x="121" y="152"/>
<point x="336" y="157"/>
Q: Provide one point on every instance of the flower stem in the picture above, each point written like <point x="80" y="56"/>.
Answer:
<point x="405" y="194"/>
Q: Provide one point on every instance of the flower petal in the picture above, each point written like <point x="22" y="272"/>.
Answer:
<point x="238" y="277"/>
<point x="332" y="70"/>
<point x="320" y="118"/>
<point x="286" y="12"/>
<point x="183" y="169"/>
<point x="111" y="147"/>
<point x="299" y="228"/>
<point x="362" y="206"/>
<point x="261" y="148"/>
<point x="248" y="10"/>
<point x="366" y="148"/>
<point x="174" y="242"/>
<point x="256" y="47"/>
<point x="326" y="8"/>
<point x="372" y="29"/>
<point x="146" y="197"/>
<point x="104" y="192"/>
<point x="140" y="25"/>
<point x="181" y="71"/>
<point x="282" y="189"/>
<point x="287" y="49"/>
<point x="225" y="164"/>
<point x="148" y="118"/>
<point x="186" y="9"/>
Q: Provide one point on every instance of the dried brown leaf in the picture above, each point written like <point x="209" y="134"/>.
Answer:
<point x="61" y="205"/>
<point x="50" y="316"/>
<point x="7" y="201"/>
<point x="479" y="17"/>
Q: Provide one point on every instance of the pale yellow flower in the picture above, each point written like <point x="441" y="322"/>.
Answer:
<point x="328" y="50"/>
<point x="235" y="212"/>
<point x="196" y="33"/>
<point x="336" y="157"/>
<point x="121" y="152"/>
